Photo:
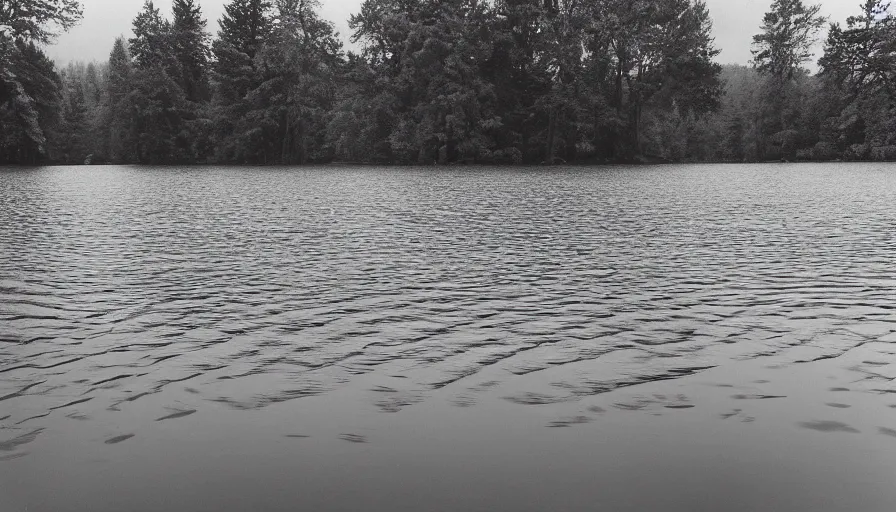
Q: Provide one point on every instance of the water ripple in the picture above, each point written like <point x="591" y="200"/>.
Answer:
<point x="258" y="287"/>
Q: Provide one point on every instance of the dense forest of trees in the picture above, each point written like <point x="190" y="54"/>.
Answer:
<point x="448" y="81"/>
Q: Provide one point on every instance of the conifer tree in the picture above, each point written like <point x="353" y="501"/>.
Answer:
<point x="29" y="86"/>
<point x="37" y="21"/>
<point x="29" y="103"/>
<point x="191" y="48"/>
<point x="157" y="105"/>
<point x="117" y="110"/>
<point x="300" y="60"/>
<point x="151" y="45"/>
<point x="244" y="27"/>
<point x="72" y="147"/>
<point x="859" y="73"/>
<point x="789" y="31"/>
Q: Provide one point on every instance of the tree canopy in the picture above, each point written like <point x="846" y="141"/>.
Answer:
<point x="37" y="21"/>
<point x="451" y="81"/>
<point x="29" y="84"/>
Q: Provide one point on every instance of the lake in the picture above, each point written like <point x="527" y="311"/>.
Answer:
<point x="675" y="338"/>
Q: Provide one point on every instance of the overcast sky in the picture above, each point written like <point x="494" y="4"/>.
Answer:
<point x="735" y="23"/>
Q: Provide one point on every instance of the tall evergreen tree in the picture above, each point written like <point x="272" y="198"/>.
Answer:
<point x="72" y="146"/>
<point x="291" y="104"/>
<point x="437" y="104"/>
<point x="789" y="31"/>
<point x="152" y="44"/>
<point x="244" y="27"/>
<point x="117" y="111"/>
<point x="157" y="103"/>
<point x="859" y="73"/>
<point x="29" y="86"/>
<point x="659" y="54"/>
<point x="191" y="48"/>
<point x="515" y="29"/>
<point x="37" y="21"/>
<point x="29" y="103"/>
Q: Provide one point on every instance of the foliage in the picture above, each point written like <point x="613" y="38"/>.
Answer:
<point x="29" y="103"/>
<point x="287" y="112"/>
<point x="789" y="30"/>
<point x="37" y="21"/>
<point x="245" y="26"/>
<point x="152" y="44"/>
<point x="455" y="81"/>
<point x="191" y="49"/>
<point x="29" y="86"/>
<point x="859" y="69"/>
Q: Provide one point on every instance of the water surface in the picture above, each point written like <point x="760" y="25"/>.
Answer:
<point x="676" y="338"/>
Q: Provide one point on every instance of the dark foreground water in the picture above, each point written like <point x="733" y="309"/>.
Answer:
<point x="690" y="338"/>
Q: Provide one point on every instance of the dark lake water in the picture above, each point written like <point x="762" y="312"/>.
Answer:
<point x="677" y="338"/>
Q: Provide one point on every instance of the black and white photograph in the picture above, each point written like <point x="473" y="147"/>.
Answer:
<point x="447" y="256"/>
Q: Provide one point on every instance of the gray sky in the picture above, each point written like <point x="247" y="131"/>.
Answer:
<point x="735" y="23"/>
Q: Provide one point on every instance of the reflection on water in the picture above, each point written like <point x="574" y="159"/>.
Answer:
<point x="828" y="426"/>
<point x="693" y="338"/>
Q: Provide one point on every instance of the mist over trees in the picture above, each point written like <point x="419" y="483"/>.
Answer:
<point x="448" y="81"/>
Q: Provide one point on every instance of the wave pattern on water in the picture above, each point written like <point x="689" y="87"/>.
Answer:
<point x="254" y="287"/>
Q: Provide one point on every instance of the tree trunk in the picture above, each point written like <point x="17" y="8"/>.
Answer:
<point x="552" y="129"/>
<point x="284" y="143"/>
<point x="617" y="96"/>
<point x="300" y="135"/>
<point x="636" y="102"/>
<point x="636" y="127"/>
<point x="613" y="139"/>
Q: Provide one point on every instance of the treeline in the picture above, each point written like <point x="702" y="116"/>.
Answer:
<point x="449" y="81"/>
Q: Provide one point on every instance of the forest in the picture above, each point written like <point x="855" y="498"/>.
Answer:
<point x="449" y="81"/>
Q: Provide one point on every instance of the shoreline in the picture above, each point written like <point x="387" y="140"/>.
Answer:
<point x="620" y="164"/>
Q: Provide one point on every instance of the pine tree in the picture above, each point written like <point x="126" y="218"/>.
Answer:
<point x="29" y="103"/>
<point x="117" y="112"/>
<point x="72" y="144"/>
<point x="151" y="45"/>
<point x="859" y="73"/>
<point x="789" y="30"/>
<point x="300" y="59"/>
<point x="120" y="72"/>
<point x="191" y="48"/>
<point x="36" y="21"/>
<point x="430" y="101"/>
<point x="92" y="87"/>
<point x="158" y="105"/>
<point x="245" y="25"/>
<point x="29" y="86"/>
<point x="656" y="55"/>
<point x="516" y="38"/>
